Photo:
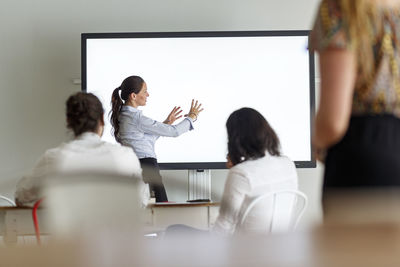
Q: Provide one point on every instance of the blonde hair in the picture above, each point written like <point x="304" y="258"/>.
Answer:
<point x="362" y="22"/>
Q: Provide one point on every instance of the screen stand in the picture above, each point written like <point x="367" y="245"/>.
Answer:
<point x="199" y="184"/>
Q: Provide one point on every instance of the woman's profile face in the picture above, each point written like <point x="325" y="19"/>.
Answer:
<point x="141" y="97"/>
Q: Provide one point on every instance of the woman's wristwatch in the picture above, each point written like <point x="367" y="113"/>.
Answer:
<point x="192" y="113"/>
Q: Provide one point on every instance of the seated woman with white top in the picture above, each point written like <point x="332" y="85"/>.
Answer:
<point x="255" y="164"/>
<point x="256" y="167"/>
<point x="85" y="153"/>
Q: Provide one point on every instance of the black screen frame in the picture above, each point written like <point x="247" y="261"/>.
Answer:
<point x="209" y="165"/>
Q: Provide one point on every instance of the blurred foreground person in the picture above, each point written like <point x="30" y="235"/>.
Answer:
<point x="357" y="123"/>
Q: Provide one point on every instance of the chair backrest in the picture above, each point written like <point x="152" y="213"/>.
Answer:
<point x="281" y="211"/>
<point x="80" y="204"/>
<point x="7" y="200"/>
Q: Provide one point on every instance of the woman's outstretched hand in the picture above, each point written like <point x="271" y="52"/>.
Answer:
<point x="174" y="115"/>
<point x="194" y="111"/>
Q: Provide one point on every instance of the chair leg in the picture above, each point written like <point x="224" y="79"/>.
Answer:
<point x="35" y="220"/>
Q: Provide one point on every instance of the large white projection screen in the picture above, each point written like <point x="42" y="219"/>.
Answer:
<point x="271" y="72"/>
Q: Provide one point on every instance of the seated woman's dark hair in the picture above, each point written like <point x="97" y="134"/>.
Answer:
<point x="84" y="112"/>
<point x="249" y="136"/>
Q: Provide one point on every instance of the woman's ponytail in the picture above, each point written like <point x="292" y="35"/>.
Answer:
<point x="132" y="84"/>
<point x="116" y="105"/>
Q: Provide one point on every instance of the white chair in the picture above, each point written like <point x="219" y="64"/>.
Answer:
<point x="284" y="210"/>
<point x="90" y="203"/>
<point x="9" y="201"/>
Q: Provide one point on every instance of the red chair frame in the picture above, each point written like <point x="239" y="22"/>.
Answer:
<point x="35" y="219"/>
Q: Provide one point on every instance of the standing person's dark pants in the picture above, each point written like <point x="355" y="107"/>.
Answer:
<point x="151" y="175"/>
<point x="367" y="157"/>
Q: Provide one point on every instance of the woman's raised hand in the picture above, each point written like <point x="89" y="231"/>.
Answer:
<point x="174" y="115"/>
<point x="194" y="111"/>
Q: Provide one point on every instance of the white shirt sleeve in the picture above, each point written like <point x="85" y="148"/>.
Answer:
<point x="151" y="126"/>
<point x="236" y="188"/>
<point x="29" y="187"/>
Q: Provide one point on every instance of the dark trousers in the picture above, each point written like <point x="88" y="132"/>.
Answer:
<point x="151" y="175"/>
<point x="367" y="158"/>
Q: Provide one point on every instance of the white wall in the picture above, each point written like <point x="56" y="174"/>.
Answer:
<point x="40" y="55"/>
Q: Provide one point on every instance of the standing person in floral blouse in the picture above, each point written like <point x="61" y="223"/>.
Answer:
<point x="358" y="121"/>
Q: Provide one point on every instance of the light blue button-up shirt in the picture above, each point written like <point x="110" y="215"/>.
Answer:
<point x="141" y="132"/>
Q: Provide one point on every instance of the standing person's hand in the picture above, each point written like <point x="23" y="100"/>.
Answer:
<point x="174" y="115"/>
<point x="194" y="111"/>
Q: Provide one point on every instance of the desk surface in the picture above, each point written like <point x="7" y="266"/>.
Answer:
<point x="157" y="205"/>
<point x="154" y="205"/>
<point x="184" y="204"/>
<point x="16" y="208"/>
<point x="344" y="246"/>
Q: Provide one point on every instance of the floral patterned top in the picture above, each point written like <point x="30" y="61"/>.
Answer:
<point x="381" y="93"/>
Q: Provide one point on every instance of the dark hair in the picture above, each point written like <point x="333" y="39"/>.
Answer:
<point x="84" y="111"/>
<point x="132" y="84"/>
<point x="249" y="136"/>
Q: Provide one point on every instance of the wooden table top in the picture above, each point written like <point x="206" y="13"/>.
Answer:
<point x="344" y="246"/>
<point x="157" y="205"/>
<point x="183" y="204"/>
<point x="15" y="208"/>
